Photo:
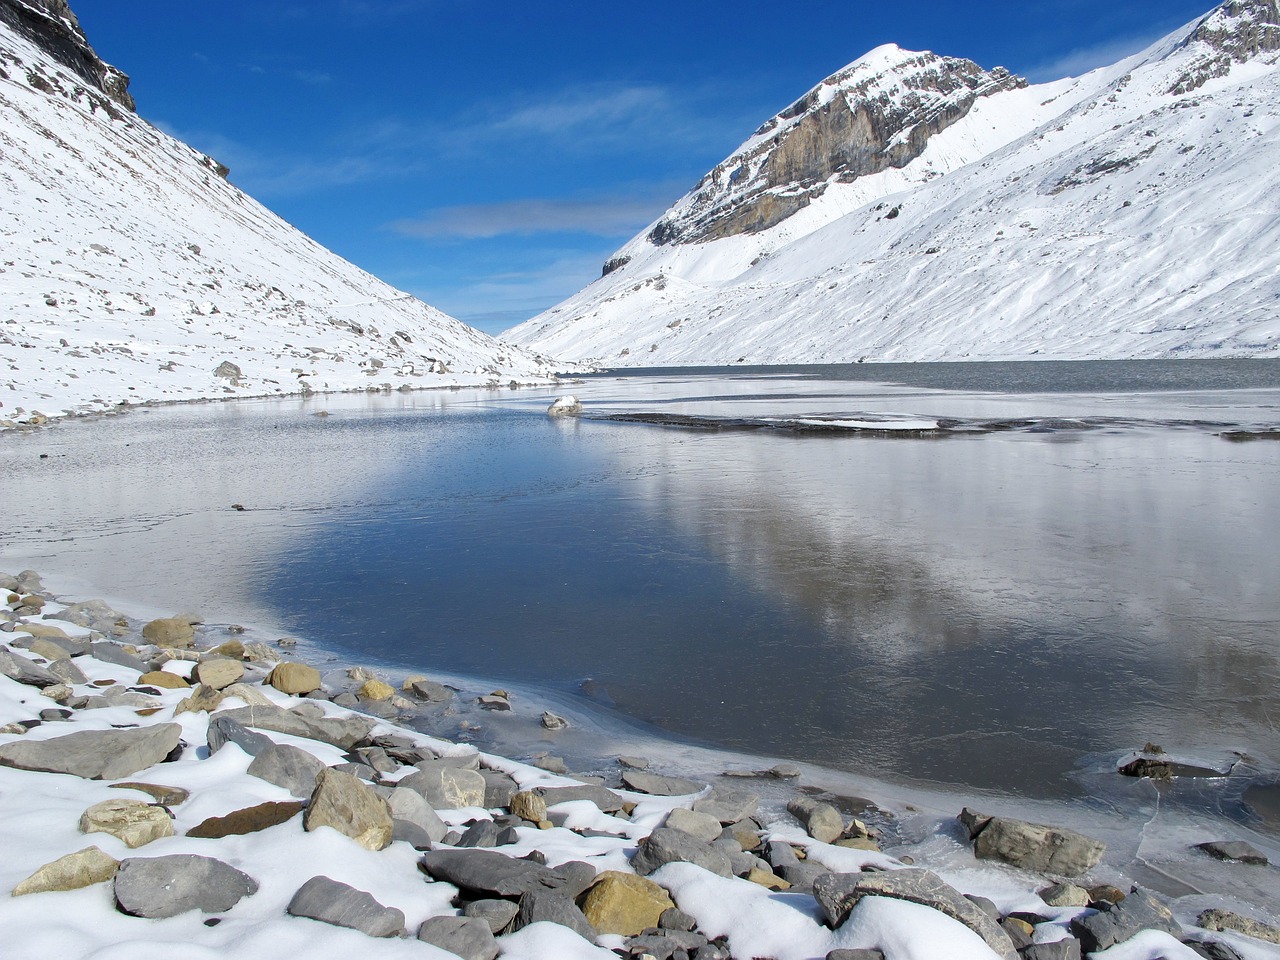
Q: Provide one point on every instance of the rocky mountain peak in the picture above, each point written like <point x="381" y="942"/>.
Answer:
<point x="52" y="26"/>
<point x="878" y="112"/>
<point x="1237" y="31"/>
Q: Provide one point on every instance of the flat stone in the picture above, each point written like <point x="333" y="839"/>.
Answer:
<point x="156" y="887"/>
<point x="1033" y="846"/>
<point x="700" y="825"/>
<point x="1137" y="912"/>
<point x="820" y="820"/>
<point x="496" y="914"/>
<point x="1224" y="921"/>
<point x="838" y="893"/>
<point x="95" y="754"/>
<point x="668" y="846"/>
<point x="663" y="944"/>
<point x="247" y="820"/>
<point x="605" y="799"/>
<point x="552" y="906"/>
<point x="166" y="796"/>
<point x="219" y="672"/>
<point x="446" y="787"/>
<point x="624" y="903"/>
<point x="1234" y="850"/>
<point x="409" y="806"/>
<point x="855" y="955"/>
<point x="728" y="806"/>
<point x="499" y="789"/>
<point x="164" y="679"/>
<point x="468" y="937"/>
<point x="353" y="809"/>
<point x="250" y="695"/>
<point x="92" y="614"/>
<point x="67" y="670"/>
<point x="660" y="786"/>
<point x="488" y="873"/>
<point x="43" y="646"/>
<point x="133" y="821"/>
<point x="484" y="833"/>
<point x="17" y="667"/>
<point x="287" y="766"/>
<point x="223" y="730"/>
<point x="114" y="653"/>
<point x="377" y="758"/>
<point x="343" y="731"/>
<point x="203" y="699"/>
<point x="340" y="905"/>
<point x="177" y="632"/>
<point x="75" y="870"/>
<point x="294" y="678"/>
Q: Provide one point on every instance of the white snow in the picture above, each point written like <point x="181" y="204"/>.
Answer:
<point x="1100" y="217"/>
<point x="130" y="271"/>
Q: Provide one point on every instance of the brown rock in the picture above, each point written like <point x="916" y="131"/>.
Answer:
<point x="623" y="903"/>
<point x="767" y="878"/>
<point x="249" y="820"/>
<point x="204" y="699"/>
<point x="294" y="678"/>
<point x="75" y="870"/>
<point x="166" y="796"/>
<point x="170" y="632"/>
<point x="529" y="806"/>
<point x="233" y="649"/>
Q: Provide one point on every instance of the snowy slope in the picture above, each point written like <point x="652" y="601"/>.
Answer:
<point x="131" y="270"/>
<point x="1131" y="212"/>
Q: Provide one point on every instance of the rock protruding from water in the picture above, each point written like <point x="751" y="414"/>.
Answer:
<point x="568" y="406"/>
<point x="1032" y="846"/>
<point x="1117" y="922"/>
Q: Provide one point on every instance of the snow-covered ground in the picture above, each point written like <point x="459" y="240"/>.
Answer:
<point x="1118" y="214"/>
<point x="131" y="272"/>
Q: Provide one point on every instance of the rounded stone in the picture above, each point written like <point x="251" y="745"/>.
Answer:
<point x="375" y="689"/>
<point x="165" y="679"/>
<point x="294" y="678"/>
<point x="219" y="672"/>
<point x="169" y="632"/>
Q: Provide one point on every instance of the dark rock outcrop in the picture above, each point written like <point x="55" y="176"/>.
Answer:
<point x="51" y="25"/>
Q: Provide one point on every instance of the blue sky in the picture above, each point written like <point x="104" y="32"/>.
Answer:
<point x="488" y="157"/>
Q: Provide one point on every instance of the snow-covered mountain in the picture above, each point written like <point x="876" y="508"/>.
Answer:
<point x="131" y="270"/>
<point x="917" y="207"/>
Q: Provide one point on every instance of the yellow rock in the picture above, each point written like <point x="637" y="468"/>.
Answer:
<point x="767" y="878"/>
<point x="623" y="903"/>
<point x="42" y="630"/>
<point x="75" y="870"/>
<point x="165" y="679"/>
<point x="294" y="678"/>
<point x="134" y="822"/>
<point x="169" y="632"/>
<point x="375" y="690"/>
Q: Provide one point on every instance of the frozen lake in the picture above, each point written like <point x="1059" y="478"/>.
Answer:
<point x="998" y="577"/>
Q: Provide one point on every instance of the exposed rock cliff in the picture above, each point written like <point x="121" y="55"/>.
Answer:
<point x="53" y="27"/>
<point x="878" y="112"/>
<point x="1235" y="32"/>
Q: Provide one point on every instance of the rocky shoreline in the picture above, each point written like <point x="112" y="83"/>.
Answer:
<point x="279" y="806"/>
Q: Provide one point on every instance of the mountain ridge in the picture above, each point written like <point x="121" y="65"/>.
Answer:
<point x="1124" y="213"/>
<point x="132" y="270"/>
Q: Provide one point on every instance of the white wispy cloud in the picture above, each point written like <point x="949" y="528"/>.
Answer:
<point x="602" y="217"/>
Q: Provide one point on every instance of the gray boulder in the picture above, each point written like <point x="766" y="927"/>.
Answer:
<point x="552" y="906"/>
<point x="487" y="873"/>
<point x="155" y="887"/>
<point x="700" y="825"/>
<point x="224" y="730"/>
<point x="659" y="786"/>
<point x="114" y="653"/>
<point x="287" y="766"/>
<point x="1068" y="949"/>
<point x="728" y="806"/>
<point x="1137" y="912"/>
<point x="20" y="668"/>
<point x="605" y="799"/>
<point x="838" y="893"/>
<point x="496" y="914"/>
<point x="430" y="691"/>
<point x="65" y="669"/>
<point x="446" y="787"/>
<point x="409" y="806"/>
<point x="499" y="789"/>
<point x="93" y="614"/>
<point x="1234" y="850"/>
<point x="95" y="754"/>
<point x="1032" y="846"/>
<point x="344" y="906"/>
<point x="345" y="731"/>
<point x="665" y="845"/>
<point x="468" y="937"/>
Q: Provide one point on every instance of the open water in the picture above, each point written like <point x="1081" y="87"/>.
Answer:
<point x="994" y="576"/>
